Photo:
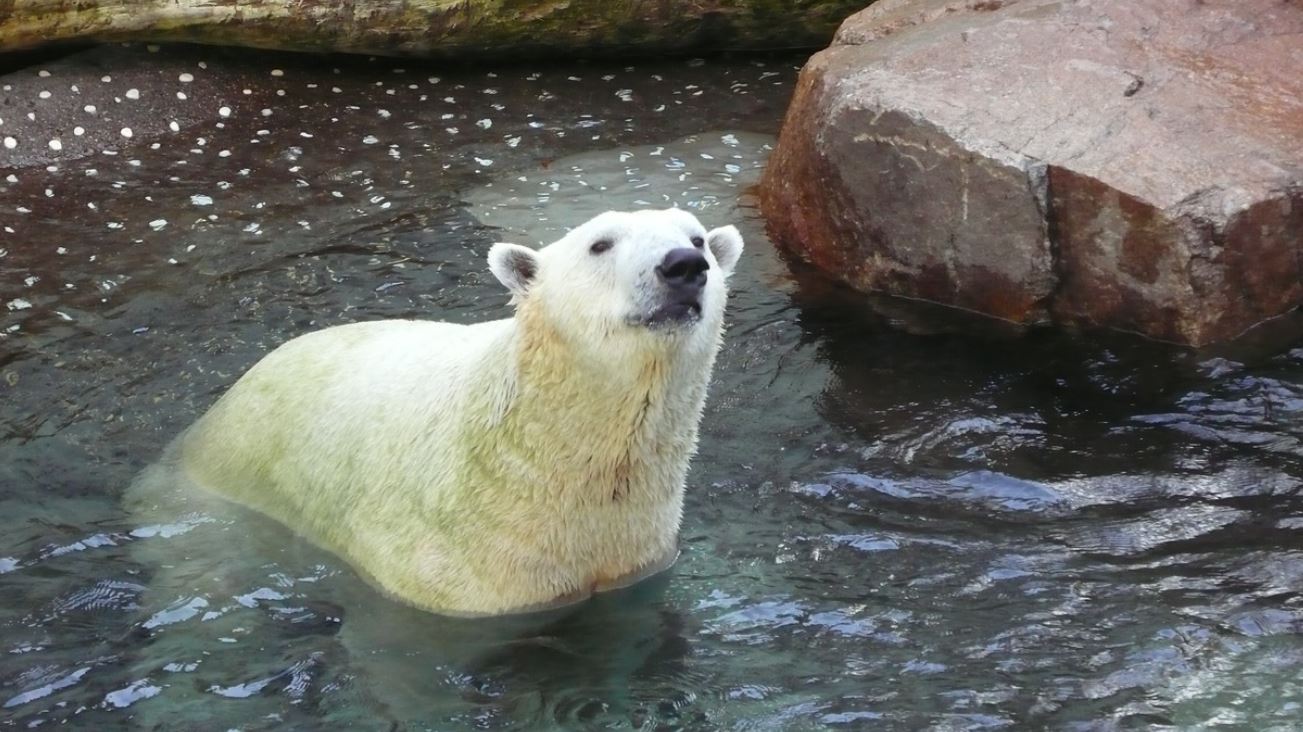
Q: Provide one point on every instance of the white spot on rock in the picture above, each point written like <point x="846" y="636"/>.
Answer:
<point x="133" y="94"/>
<point x="201" y="200"/>
<point x="186" y="78"/>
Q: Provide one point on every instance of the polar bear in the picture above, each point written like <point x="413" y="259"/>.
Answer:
<point x="503" y="467"/>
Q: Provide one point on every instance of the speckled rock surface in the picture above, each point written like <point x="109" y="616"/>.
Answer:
<point x="1130" y="164"/>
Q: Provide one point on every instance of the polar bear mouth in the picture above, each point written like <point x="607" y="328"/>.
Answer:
<point x="674" y="313"/>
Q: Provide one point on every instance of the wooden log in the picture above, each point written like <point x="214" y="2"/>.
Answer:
<point x="435" y="28"/>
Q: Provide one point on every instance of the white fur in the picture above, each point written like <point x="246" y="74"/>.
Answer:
<point x="497" y="467"/>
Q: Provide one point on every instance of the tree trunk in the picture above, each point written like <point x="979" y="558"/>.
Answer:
<point x="435" y="28"/>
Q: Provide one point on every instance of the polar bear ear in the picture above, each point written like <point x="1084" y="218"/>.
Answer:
<point x="726" y="244"/>
<point x="514" y="266"/>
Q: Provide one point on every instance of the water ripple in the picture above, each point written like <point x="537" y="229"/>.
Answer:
<point x="892" y="522"/>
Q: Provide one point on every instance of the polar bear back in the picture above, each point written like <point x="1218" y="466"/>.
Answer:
<point x="354" y="413"/>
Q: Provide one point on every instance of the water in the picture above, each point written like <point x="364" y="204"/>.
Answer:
<point x="896" y="521"/>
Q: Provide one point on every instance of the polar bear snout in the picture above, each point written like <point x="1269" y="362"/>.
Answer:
<point x="683" y="271"/>
<point x="682" y="275"/>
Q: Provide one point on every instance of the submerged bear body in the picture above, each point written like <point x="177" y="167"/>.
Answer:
<point x="499" y="467"/>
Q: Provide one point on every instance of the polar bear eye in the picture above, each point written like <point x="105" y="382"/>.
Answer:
<point x="601" y="245"/>
<point x="698" y="242"/>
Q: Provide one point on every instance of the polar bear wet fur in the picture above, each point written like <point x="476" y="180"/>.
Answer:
<point x="504" y="466"/>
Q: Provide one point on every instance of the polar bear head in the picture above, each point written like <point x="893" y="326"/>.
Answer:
<point x="653" y="274"/>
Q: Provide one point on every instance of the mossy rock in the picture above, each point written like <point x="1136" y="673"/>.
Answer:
<point x="436" y="28"/>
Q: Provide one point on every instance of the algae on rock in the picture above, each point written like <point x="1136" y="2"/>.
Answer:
<point x="437" y="28"/>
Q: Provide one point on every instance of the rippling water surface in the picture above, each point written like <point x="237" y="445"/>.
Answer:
<point x="894" y="522"/>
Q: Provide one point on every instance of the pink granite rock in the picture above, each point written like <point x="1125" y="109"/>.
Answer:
<point x="1129" y="164"/>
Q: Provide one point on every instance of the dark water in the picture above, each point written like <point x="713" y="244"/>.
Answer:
<point x="893" y="522"/>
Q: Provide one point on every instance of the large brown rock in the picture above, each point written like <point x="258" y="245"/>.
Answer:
<point x="1131" y="164"/>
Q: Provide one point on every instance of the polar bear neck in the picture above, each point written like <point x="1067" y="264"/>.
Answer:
<point x="610" y="429"/>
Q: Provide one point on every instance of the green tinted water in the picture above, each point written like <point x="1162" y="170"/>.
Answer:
<point x="891" y="524"/>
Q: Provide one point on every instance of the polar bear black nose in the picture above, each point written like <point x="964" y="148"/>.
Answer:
<point x="684" y="268"/>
